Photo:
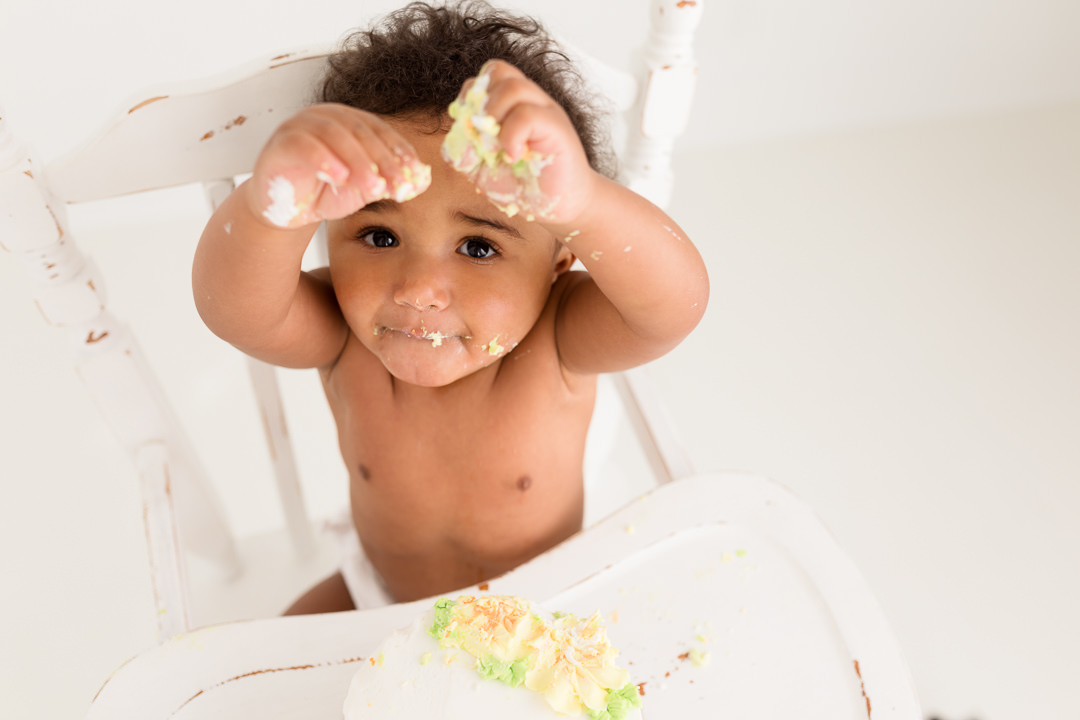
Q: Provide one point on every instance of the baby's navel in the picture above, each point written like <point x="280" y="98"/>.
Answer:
<point x="524" y="483"/>
<point x="365" y="473"/>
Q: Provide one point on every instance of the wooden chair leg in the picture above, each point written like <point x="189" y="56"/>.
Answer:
<point x="268" y="397"/>
<point x="162" y="540"/>
<point x="655" y="432"/>
<point x="282" y="458"/>
<point x="70" y="294"/>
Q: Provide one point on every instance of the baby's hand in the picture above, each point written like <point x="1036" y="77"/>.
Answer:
<point x="327" y="162"/>
<point x="519" y="147"/>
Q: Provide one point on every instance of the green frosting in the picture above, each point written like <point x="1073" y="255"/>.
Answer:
<point x="511" y="673"/>
<point x="444" y="611"/>
<point x="619" y="703"/>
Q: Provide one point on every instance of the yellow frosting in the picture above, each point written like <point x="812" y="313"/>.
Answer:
<point x="472" y="146"/>
<point x="568" y="660"/>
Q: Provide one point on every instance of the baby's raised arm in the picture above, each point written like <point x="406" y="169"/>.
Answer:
<point x="646" y="290"/>
<point x="647" y="286"/>
<point x="325" y="163"/>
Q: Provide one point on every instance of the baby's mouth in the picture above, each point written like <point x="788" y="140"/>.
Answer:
<point x="434" y="336"/>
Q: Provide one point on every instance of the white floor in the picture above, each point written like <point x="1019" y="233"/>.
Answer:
<point x="892" y="334"/>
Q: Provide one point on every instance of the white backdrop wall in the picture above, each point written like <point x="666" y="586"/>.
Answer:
<point x="769" y="69"/>
<point x="886" y="200"/>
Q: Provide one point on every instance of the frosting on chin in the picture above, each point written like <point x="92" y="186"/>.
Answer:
<point x="413" y="675"/>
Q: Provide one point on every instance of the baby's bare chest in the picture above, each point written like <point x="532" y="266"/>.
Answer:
<point x="502" y="462"/>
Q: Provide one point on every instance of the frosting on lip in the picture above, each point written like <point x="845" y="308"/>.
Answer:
<point x="421" y="333"/>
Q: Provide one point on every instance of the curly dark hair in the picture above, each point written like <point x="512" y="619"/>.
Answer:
<point x="415" y="60"/>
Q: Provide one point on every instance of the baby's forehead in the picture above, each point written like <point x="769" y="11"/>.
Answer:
<point x="448" y="206"/>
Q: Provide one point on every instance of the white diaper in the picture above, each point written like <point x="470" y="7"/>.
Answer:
<point x="365" y="585"/>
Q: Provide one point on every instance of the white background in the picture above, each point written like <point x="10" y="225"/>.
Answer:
<point x="887" y="201"/>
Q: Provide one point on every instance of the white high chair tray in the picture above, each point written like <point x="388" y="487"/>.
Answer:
<point x="728" y="565"/>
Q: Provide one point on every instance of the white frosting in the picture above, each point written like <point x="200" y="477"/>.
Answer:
<point x="282" y="207"/>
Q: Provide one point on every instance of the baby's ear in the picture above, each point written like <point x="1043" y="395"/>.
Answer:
<point x="563" y="260"/>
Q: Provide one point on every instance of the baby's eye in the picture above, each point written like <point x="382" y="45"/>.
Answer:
<point x="477" y="249"/>
<point x="378" y="238"/>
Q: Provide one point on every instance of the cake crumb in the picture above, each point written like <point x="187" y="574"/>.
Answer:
<point x="699" y="658"/>
<point x="324" y="177"/>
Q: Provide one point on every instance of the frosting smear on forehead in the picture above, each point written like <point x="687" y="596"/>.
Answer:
<point x="495" y="657"/>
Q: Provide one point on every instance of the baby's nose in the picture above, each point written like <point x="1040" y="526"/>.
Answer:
<point x="423" y="288"/>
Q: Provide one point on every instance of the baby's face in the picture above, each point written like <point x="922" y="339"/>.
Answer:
<point x="443" y="285"/>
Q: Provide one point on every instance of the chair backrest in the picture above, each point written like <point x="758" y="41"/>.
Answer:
<point x="211" y="131"/>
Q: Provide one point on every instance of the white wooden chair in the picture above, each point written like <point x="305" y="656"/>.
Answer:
<point x="210" y="132"/>
<point x="734" y="554"/>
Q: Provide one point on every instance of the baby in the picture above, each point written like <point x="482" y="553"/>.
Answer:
<point x="458" y="350"/>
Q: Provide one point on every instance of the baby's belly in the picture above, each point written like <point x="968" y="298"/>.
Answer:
<point x="428" y="534"/>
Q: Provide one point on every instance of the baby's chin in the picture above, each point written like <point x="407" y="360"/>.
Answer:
<point x="438" y="371"/>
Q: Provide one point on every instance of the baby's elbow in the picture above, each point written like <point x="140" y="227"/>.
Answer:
<point x="695" y="299"/>
<point x="680" y="316"/>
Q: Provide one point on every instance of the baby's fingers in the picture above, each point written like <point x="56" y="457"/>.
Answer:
<point x="401" y="174"/>
<point x="381" y="163"/>
<point x="331" y="160"/>
<point x="289" y="176"/>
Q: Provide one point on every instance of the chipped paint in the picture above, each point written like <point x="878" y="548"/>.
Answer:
<point x="286" y="61"/>
<point x="146" y="102"/>
<point x="59" y="227"/>
<point x="235" y="122"/>
<point x="862" y="687"/>
<point x="264" y="671"/>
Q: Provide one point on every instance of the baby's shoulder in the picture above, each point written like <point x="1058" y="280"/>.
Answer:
<point x="540" y="349"/>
